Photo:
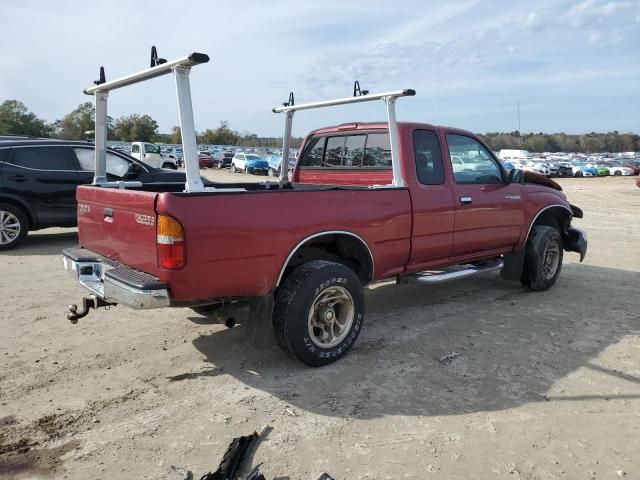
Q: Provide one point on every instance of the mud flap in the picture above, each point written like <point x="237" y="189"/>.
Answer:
<point x="259" y="324"/>
<point x="513" y="265"/>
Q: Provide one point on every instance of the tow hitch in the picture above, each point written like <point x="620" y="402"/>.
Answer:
<point x="88" y="302"/>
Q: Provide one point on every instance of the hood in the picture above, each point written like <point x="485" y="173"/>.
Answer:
<point x="255" y="163"/>
<point x="532" y="177"/>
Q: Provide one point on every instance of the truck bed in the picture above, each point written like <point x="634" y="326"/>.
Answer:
<point x="229" y="234"/>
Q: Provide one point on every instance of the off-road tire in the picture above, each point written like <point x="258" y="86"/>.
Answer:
<point x="543" y="241"/>
<point x="23" y="221"/>
<point x="294" y="301"/>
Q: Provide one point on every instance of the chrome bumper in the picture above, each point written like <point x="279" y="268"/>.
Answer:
<point x="114" y="282"/>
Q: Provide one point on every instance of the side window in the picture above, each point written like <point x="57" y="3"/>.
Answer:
<point x="86" y="158"/>
<point x="333" y="152"/>
<point x="353" y="151"/>
<point x="312" y="156"/>
<point x="471" y="162"/>
<point x="426" y="151"/>
<point x="378" y="151"/>
<point x="149" y="148"/>
<point x="135" y="148"/>
<point x="116" y="166"/>
<point x="42" y="158"/>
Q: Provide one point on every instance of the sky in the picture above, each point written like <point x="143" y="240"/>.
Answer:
<point x="573" y="65"/>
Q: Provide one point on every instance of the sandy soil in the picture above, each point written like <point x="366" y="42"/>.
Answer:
<point x="546" y="385"/>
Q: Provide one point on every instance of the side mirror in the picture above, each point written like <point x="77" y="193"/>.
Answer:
<point x="515" y="176"/>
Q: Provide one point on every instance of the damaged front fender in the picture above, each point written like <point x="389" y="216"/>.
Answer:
<point x="576" y="241"/>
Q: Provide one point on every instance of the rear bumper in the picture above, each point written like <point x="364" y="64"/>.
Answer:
<point x="576" y="242"/>
<point x="113" y="282"/>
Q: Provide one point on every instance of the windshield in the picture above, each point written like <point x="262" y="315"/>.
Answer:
<point x="253" y="157"/>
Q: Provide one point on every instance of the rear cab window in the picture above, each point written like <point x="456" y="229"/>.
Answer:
<point x="353" y="151"/>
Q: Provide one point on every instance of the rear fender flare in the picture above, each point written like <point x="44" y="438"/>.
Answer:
<point x="305" y="240"/>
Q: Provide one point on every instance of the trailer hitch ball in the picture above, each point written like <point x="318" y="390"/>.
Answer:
<point x="88" y="303"/>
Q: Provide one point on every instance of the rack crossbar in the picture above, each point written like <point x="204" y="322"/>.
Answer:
<point x="343" y="101"/>
<point x="153" y="72"/>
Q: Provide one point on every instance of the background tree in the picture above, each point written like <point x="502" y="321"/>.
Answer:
<point x="16" y="119"/>
<point x="136" y="128"/>
<point x="176" y="135"/>
<point x="75" y="123"/>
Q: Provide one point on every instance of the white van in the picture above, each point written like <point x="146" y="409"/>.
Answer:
<point x="150" y="154"/>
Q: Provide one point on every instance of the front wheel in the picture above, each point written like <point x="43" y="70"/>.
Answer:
<point x="14" y="226"/>
<point x="318" y="313"/>
<point x="233" y="168"/>
<point x="579" y="173"/>
<point x="543" y="258"/>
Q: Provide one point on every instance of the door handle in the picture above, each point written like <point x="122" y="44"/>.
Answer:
<point x="466" y="200"/>
<point x="18" y="178"/>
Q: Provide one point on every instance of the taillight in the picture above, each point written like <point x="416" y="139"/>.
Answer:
<point x="170" y="243"/>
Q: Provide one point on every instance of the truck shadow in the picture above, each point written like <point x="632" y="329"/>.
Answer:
<point x="477" y="345"/>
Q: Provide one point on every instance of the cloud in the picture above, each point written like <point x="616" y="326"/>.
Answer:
<point x="591" y="12"/>
<point x="533" y="21"/>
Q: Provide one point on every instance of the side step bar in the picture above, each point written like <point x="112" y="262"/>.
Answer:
<point x="455" y="273"/>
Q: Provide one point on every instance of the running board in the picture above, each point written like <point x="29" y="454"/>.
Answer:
<point x="457" y="272"/>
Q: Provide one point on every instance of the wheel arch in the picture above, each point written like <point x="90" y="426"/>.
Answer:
<point x="333" y="245"/>
<point x="556" y="215"/>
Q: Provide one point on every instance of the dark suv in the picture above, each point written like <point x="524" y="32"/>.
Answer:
<point x="38" y="180"/>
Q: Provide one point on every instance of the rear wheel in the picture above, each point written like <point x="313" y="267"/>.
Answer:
<point x="14" y="226"/>
<point x="578" y="173"/>
<point x="543" y="258"/>
<point x="318" y="312"/>
<point x="617" y="173"/>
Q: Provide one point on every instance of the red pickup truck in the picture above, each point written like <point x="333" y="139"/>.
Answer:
<point x="300" y="252"/>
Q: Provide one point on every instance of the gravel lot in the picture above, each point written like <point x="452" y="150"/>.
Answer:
<point x="546" y="385"/>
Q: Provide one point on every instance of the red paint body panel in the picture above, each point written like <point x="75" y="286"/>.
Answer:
<point x="121" y="238"/>
<point x="344" y="177"/>
<point x="238" y="243"/>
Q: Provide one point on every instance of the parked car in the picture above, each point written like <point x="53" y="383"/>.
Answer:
<point x="633" y="164"/>
<point x="223" y="158"/>
<point x="249" y="163"/>
<point x="584" y="170"/>
<point x="177" y="154"/>
<point x="564" y="170"/>
<point x="602" y="170"/>
<point x="274" y="164"/>
<point x="205" y="160"/>
<point x="619" y="168"/>
<point x="38" y="180"/>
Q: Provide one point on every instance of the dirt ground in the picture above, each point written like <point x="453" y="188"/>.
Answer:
<point x="475" y="379"/>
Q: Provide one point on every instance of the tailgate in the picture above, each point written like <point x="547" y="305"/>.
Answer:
<point x="119" y="224"/>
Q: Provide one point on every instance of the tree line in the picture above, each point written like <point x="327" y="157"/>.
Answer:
<point x="562" y="142"/>
<point x="16" y="119"/>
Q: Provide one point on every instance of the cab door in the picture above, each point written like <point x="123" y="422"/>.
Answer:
<point x="432" y="202"/>
<point x="46" y="178"/>
<point x="488" y="210"/>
